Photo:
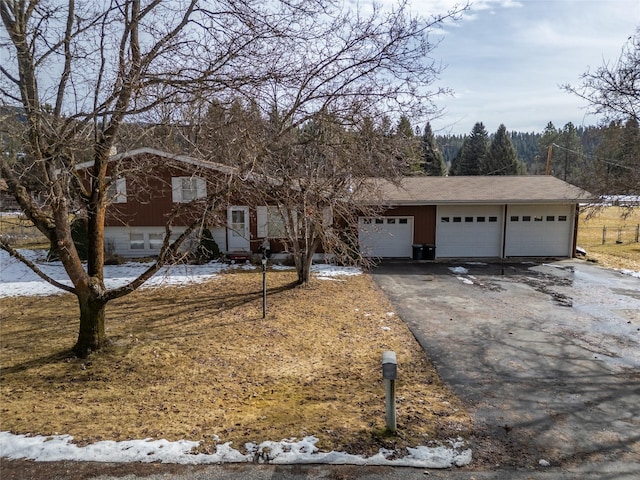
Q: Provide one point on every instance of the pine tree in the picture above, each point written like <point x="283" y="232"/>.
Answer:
<point x="408" y="145"/>
<point x="473" y="153"/>
<point x="432" y="161"/>
<point x="628" y="175"/>
<point x="502" y="158"/>
<point x="570" y="157"/>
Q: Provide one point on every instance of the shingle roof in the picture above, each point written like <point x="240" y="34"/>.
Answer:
<point x="476" y="189"/>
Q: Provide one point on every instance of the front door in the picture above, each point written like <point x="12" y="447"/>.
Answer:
<point x="238" y="218"/>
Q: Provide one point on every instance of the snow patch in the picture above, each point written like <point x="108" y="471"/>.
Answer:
<point x="286" y="452"/>
<point x="632" y="273"/>
<point x="465" y="280"/>
<point x="459" y="270"/>
<point x="324" y="270"/>
<point x="18" y="280"/>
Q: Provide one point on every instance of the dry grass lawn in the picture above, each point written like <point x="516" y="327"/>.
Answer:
<point x="610" y="254"/>
<point x="199" y="361"/>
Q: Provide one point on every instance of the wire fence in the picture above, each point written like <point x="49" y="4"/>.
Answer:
<point x="603" y="235"/>
<point x="18" y="230"/>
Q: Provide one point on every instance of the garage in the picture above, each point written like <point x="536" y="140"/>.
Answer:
<point x="385" y="236"/>
<point x="469" y="230"/>
<point x="539" y="231"/>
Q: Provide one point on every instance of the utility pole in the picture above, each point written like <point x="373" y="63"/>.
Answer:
<point x="549" y="152"/>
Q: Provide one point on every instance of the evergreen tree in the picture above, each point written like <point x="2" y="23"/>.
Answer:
<point x="615" y="168"/>
<point x="627" y="177"/>
<point x="408" y="145"/>
<point x="549" y="137"/>
<point x="570" y="157"/>
<point x="432" y="161"/>
<point x="455" y="161"/>
<point x="502" y="158"/>
<point x="473" y="153"/>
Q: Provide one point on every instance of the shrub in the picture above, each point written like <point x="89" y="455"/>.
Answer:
<point x="207" y="249"/>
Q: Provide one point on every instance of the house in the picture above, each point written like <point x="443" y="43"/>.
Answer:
<point x="141" y="204"/>
<point x="473" y="217"/>
<point x="446" y="217"/>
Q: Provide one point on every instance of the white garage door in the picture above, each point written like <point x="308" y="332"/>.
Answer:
<point x="469" y="231"/>
<point x="385" y="236"/>
<point x="539" y="231"/>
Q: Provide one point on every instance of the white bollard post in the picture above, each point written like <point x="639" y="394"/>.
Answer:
<point x="390" y="374"/>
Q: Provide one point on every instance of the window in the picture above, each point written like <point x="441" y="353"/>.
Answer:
<point x="117" y="190"/>
<point x="537" y="218"/>
<point x="480" y="219"/>
<point x="493" y="219"/>
<point x="444" y="219"/>
<point x="238" y="223"/>
<point x="403" y="221"/>
<point x="514" y="218"/>
<point x="526" y="218"/>
<point x="155" y="241"/>
<point x="468" y="219"/>
<point x="136" y="241"/>
<point x="551" y="218"/>
<point x="271" y="223"/>
<point x="366" y="221"/>
<point x="186" y="189"/>
<point x="457" y="219"/>
<point x="379" y="220"/>
<point x="562" y="218"/>
<point x="189" y="188"/>
<point x="391" y="220"/>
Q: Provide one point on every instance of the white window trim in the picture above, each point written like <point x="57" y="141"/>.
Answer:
<point x="117" y="191"/>
<point x="176" y="188"/>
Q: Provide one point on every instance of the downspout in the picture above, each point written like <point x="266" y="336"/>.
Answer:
<point x="504" y="231"/>
<point x="574" y="242"/>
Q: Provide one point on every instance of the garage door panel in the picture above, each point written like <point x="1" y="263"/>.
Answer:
<point x="468" y="231"/>
<point x="385" y="236"/>
<point x="539" y="231"/>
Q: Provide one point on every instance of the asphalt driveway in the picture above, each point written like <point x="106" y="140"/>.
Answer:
<point x="546" y="356"/>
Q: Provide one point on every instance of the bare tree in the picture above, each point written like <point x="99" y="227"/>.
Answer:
<point x="613" y="89"/>
<point x="81" y="70"/>
<point x="328" y="130"/>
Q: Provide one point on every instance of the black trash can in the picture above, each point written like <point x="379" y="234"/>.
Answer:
<point x="429" y="252"/>
<point x="418" y="251"/>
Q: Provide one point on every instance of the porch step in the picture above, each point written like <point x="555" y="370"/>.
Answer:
<point x="240" y="256"/>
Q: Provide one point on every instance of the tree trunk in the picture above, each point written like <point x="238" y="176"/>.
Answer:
<point x="304" y="268"/>
<point x="92" y="336"/>
<point x="304" y="261"/>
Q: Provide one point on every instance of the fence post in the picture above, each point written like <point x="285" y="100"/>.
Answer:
<point x="619" y="240"/>
<point x="637" y="232"/>
<point x="604" y="234"/>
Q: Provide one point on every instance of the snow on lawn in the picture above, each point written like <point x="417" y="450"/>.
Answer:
<point x="60" y="447"/>
<point x="632" y="273"/>
<point x="16" y="279"/>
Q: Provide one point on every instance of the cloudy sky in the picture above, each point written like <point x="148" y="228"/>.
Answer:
<point x="506" y="59"/>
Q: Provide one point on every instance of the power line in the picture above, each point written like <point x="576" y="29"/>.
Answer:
<point x="605" y="161"/>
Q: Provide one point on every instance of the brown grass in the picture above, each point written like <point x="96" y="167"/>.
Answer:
<point x="21" y="231"/>
<point x="611" y="254"/>
<point x="198" y="361"/>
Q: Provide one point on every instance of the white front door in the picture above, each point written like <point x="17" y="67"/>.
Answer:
<point x="238" y="220"/>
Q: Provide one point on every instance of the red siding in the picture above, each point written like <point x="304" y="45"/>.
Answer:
<point x="424" y="221"/>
